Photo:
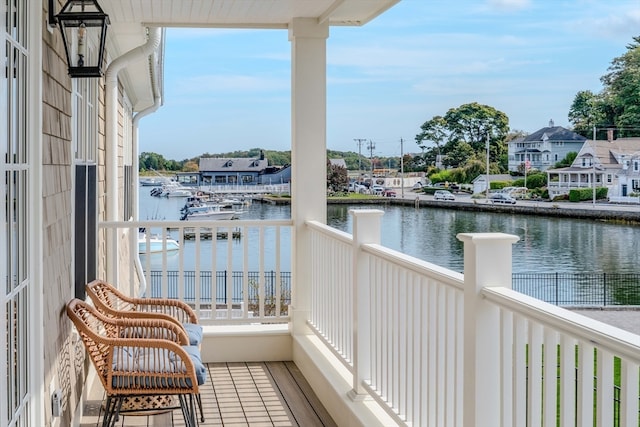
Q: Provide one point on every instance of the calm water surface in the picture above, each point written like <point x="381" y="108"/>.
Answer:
<point x="546" y="244"/>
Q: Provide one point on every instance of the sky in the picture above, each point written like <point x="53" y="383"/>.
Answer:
<point x="228" y="90"/>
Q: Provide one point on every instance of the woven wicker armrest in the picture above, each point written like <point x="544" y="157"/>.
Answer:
<point x="105" y="295"/>
<point x="157" y="328"/>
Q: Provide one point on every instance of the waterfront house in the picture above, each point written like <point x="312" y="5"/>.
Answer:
<point x="543" y="148"/>
<point x="604" y="163"/>
<point x="382" y="338"/>
<point x="232" y="171"/>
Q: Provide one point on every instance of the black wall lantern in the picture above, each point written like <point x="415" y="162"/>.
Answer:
<point x="79" y="21"/>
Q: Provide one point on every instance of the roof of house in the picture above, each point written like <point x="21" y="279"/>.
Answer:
<point x="608" y="154"/>
<point x="554" y="134"/>
<point x="215" y="164"/>
<point x="492" y="178"/>
<point x="338" y="162"/>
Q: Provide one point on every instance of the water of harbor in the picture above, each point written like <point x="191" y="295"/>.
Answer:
<point x="546" y="245"/>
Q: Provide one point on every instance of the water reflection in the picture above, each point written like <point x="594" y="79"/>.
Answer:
<point x="546" y="244"/>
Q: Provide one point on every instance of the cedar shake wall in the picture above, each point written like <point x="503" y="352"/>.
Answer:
<point x="64" y="355"/>
<point x="62" y="366"/>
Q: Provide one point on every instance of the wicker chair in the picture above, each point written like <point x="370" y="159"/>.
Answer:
<point x="128" y="366"/>
<point x="113" y="303"/>
<point x="108" y="296"/>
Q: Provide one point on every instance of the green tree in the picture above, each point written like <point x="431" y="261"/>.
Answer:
<point x="587" y="111"/>
<point x="622" y="89"/>
<point x="434" y="131"/>
<point x="458" y="153"/>
<point x="617" y="105"/>
<point x="337" y="177"/>
<point x="151" y="161"/>
<point x="462" y="134"/>
<point x="567" y="161"/>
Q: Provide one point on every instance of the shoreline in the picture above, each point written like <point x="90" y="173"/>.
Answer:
<point x="600" y="211"/>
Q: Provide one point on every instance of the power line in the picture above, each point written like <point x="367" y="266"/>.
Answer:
<point x="359" y="141"/>
<point x="371" y="146"/>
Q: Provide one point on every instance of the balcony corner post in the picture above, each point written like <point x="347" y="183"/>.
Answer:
<point x="487" y="262"/>
<point x="367" y="229"/>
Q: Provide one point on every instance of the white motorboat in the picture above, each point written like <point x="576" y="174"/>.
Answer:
<point x="209" y="212"/>
<point x="173" y="189"/>
<point x="155" y="244"/>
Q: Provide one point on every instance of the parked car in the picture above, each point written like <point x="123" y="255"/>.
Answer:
<point x="377" y="190"/>
<point x="502" y="198"/>
<point x="389" y="193"/>
<point x="443" y="195"/>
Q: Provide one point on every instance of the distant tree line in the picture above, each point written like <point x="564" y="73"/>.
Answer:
<point x="149" y="161"/>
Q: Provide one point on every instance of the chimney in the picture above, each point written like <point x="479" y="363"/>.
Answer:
<point x="261" y="154"/>
<point x="551" y="124"/>
<point x="610" y="135"/>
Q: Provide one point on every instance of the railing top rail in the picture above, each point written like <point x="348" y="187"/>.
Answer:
<point x="620" y="342"/>
<point x="195" y="224"/>
<point x="330" y="231"/>
<point x="441" y="274"/>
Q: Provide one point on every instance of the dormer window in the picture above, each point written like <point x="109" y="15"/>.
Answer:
<point x="228" y="164"/>
<point x="255" y="164"/>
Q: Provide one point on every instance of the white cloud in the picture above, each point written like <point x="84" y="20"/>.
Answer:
<point x="509" y="5"/>
<point x="619" y="24"/>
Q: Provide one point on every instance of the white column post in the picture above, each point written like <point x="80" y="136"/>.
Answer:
<point x="487" y="262"/>
<point x="366" y="229"/>
<point x="308" y="153"/>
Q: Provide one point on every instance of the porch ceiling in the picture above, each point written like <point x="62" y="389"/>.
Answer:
<point x="130" y="17"/>
<point x="242" y="13"/>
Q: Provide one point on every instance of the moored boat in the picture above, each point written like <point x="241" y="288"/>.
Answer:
<point x="155" y="244"/>
<point x="209" y="212"/>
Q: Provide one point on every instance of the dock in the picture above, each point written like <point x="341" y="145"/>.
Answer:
<point x="208" y="234"/>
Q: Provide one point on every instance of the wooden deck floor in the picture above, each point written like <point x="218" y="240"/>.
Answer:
<point x="239" y="394"/>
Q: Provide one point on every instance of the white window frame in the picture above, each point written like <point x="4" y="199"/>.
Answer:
<point x="21" y="134"/>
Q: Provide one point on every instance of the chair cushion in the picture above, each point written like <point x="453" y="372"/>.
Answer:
<point x="153" y="361"/>
<point x="194" y="332"/>
<point x="194" y="354"/>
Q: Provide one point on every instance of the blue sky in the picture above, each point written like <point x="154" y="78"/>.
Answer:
<point x="228" y="90"/>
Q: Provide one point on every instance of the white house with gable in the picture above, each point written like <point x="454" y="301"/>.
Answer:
<point x="603" y="163"/>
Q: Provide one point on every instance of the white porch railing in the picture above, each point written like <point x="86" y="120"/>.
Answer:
<point x="229" y="271"/>
<point x="568" y="185"/>
<point x="437" y="348"/>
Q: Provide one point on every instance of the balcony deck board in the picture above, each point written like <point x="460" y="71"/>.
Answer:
<point x="239" y="394"/>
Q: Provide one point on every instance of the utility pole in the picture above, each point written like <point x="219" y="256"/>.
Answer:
<point x="401" y="168"/>
<point x="371" y="146"/>
<point x="593" y="161"/>
<point x="525" y="166"/>
<point x="359" y="141"/>
<point x="487" y="191"/>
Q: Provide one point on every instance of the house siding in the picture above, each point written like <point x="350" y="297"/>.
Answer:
<point x="62" y="365"/>
<point x="65" y="366"/>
